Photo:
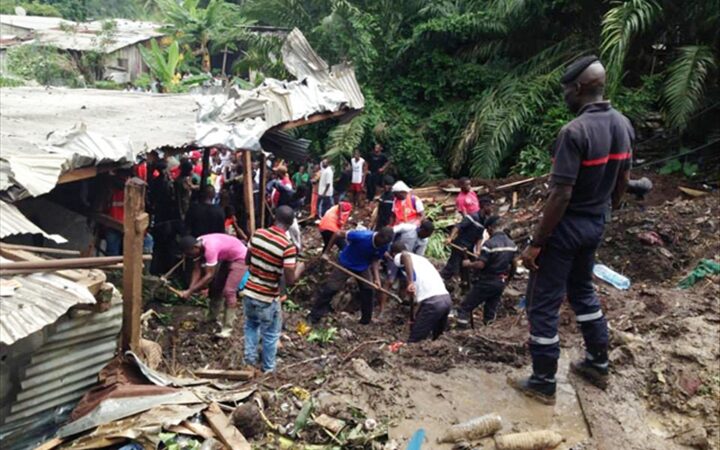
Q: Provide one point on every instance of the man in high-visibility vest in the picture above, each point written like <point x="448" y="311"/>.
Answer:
<point x="406" y="207"/>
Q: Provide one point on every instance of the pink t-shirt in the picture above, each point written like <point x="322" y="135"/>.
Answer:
<point x="221" y="247"/>
<point x="467" y="203"/>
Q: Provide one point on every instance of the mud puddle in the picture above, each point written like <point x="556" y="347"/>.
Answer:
<point x="440" y="400"/>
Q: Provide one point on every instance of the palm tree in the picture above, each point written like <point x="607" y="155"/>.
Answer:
<point x="686" y="36"/>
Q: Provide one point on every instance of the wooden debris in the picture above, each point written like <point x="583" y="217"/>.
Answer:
<point x="691" y="192"/>
<point x="225" y="431"/>
<point x="331" y="424"/>
<point x="241" y="375"/>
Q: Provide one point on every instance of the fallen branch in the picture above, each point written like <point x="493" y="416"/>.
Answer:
<point x="241" y="375"/>
<point x="358" y="347"/>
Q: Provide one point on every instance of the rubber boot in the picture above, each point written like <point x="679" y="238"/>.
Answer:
<point x="228" y="322"/>
<point x="215" y="309"/>
<point x="596" y="373"/>
<point x="535" y="387"/>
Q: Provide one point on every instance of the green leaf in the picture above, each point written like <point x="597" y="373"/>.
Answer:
<point x="688" y="75"/>
<point x="690" y="169"/>
<point x="302" y="419"/>
<point x="671" y="166"/>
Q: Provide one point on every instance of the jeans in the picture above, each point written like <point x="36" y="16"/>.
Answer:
<point x="113" y="242"/>
<point x="262" y="319"/>
<point x="324" y="203"/>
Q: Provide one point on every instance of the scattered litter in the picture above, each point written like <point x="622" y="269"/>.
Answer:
<point x="531" y="440"/>
<point x="610" y="276"/>
<point x="704" y="268"/>
<point x="473" y="429"/>
<point x="650" y="238"/>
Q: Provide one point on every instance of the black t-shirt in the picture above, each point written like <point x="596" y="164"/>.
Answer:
<point x="343" y="183"/>
<point x="203" y="218"/>
<point x="375" y="162"/>
<point x="385" y="207"/>
<point x="470" y="229"/>
<point x="589" y="153"/>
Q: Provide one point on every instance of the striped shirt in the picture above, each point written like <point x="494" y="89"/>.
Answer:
<point x="270" y="252"/>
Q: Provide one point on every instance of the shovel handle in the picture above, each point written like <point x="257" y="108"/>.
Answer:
<point x="364" y="280"/>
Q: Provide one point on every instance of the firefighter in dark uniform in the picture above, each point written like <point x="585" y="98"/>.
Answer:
<point x="466" y="234"/>
<point x="494" y="266"/>
<point x="591" y="167"/>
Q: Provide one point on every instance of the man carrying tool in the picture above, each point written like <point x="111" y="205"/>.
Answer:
<point x="591" y="167"/>
<point x="494" y="267"/>
<point x="414" y="237"/>
<point x="220" y="259"/>
<point x="425" y="284"/>
<point x="332" y="222"/>
<point x="360" y="258"/>
<point x="462" y="240"/>
<point x="271" y="256"/>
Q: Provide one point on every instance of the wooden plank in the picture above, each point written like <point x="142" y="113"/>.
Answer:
<point x="224" y="374"/>
<point x="136" y="221"/>
<point x="225" y="431"/>
<point x="248" y="189"/>
<point x="48" y="250"/>
<point x="310" y="120"/>
<point x="263" y="197"/>
<point x="84" y="173"/>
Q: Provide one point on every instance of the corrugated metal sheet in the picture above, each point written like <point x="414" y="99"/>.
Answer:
<point x="285" y="146"/>
<point x="13" y="222"/>
<point x="40" y="300"/>
<point x="90" y="41"/>
<point x="34" y="22"/>
<point x="61" y="371"/>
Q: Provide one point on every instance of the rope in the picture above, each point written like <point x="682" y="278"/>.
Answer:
<point x="687" y="152"/>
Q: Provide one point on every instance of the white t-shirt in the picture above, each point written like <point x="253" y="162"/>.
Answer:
<point x="357" y="170"/>
<point x="428" y="282"/>
<point x="326" y="178"/>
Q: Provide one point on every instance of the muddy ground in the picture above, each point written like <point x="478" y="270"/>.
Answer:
<point x="665" y="350"/>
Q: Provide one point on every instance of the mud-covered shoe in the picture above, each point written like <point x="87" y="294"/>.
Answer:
<point x="540" y="390"/>
<point x="595" y="374"/>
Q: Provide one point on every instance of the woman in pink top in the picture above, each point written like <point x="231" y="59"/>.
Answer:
<point x="220" y="263"/>
<point x="467" y="200"/>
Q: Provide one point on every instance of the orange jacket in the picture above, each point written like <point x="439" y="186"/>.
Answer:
<point x="331" y="221"/>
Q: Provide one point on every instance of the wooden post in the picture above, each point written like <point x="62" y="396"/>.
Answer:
<point x="248" y="188"/>
<point x="263" y="182"/>
<point x="135" y="223"/>
<point x="205" y="172"/>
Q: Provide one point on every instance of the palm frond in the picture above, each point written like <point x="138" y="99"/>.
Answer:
<point x="287" y="13"/>
<point x="619" y="26"/>
<point x="685" y="84"/>
<point x="344" y="139"/>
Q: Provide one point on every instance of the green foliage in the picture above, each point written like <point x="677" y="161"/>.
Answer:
<point x="290" y="306"/>
<point x="42" y="64"/>
<point x="437" y="246"/>
<point x="533" y="162"/>
<point x="343" y="140"/>
<point x="689" y="169"/>
<point x="144" y="81"/>
<point x="163" y="64"/>
<point x="32" y="8"/>
<point x="107" y="84"/>
<point x="322" y="335"/>
<point x="685" y="85"/>
<point x="10" y="82"/>
<point x="637" y="102"/>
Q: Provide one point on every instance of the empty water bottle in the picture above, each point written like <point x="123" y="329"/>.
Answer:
<point x="610" y="276"/>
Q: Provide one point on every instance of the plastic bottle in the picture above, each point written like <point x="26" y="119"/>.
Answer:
<point x="610" y="276"/>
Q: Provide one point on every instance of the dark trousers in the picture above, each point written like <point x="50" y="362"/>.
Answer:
<point x="431" y="318"/>
<point x="454" y="264"/>
<point x="372" y="181"/>
<point x="486" y="292"/>
<point x="334" y="283"/>
<point x="324" y="204"/>
<point x="327" y="235"/>
<point x="565" y="269"/>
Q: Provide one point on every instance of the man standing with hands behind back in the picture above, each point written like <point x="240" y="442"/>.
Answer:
<point x="591" y="167"/>
<point x="377" y="165"/>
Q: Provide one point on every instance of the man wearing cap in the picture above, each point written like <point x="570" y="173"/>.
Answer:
<point x="406" y="207"/>
<point x="493" y="268"/>
<point x="591" y="166"/>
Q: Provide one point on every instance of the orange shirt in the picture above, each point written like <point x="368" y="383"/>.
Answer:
<point x="331" y="222"/>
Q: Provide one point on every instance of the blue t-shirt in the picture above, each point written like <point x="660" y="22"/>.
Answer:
<point x="360" y="252"/>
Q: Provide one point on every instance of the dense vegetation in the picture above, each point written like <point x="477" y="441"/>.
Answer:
<point x="469" y="87"/>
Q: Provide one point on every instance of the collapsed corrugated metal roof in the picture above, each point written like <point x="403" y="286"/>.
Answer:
<point x="88" y="40"/>
<point x="239" y="118"/>
<point x="61" y="368"/>
<point x="285" y="146"/>
<point x="34" y="22"/>
<point x="29" y="303"/>
<point x="14" y="223"/>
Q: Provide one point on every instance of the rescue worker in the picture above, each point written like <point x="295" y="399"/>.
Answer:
<point x="591" y="167"/>
<point x="332" y="222"/>
<point x="424" y="283"/>
<point x="413" y="237"/>
<point x="407" y="208"/>
<point x="362" y="256"/>
<point x="465" y="235"/>
<point x="494" y="267"/>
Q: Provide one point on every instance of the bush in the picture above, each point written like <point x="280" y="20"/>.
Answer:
<point x="32" y="8"/>
<point x="108" y="84"/>
<point x="10" y="82"/>
<point x="45" y="65"/>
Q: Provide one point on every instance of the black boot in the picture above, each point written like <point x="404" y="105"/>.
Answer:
<point x="537" y="387"/>
<point x="594" y="372"/>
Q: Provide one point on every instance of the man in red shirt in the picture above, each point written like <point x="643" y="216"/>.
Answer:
<point x="467" y="200"/>
<point x="333" y="221"/>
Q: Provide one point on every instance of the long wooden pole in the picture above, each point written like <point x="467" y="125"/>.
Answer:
<point x="248" y="188"/>
<point x="263" y="182"/>
<point x="48" y="250"/>
<point x="63" y="264"/>
<point x="136" y="222"/>
<point x="364" y="280"/>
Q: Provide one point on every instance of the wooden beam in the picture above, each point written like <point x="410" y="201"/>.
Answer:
<point x="48" y="250"/>
<point x="108" y="221"/>
<point x="263" y="182"/>
<point x="84" y="173"/>
<point x="248" y="189"/>
<point x="67" y="263"/>
<point x="310" y="120"/>
<point x="224" y="430"/>
<point x="241" y="375"/>
<point x="136" y="222"/>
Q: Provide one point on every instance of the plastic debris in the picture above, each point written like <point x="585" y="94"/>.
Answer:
<point x="705" y="267"/>
<point x="474" y="429"/>
<point x="531" y="440"/>
<point x="611" y="277"/>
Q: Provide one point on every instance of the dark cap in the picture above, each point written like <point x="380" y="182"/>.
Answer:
<point x="486" y="200"/>
<point x="576" y="68"/>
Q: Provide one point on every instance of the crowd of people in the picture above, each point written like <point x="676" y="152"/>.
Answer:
<point x="590" y="168"/>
